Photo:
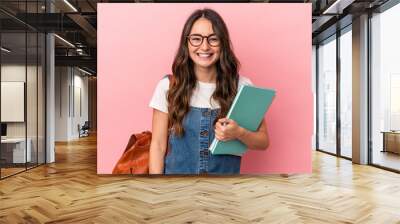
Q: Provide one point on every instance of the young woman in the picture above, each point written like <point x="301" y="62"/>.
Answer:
<point x="190" y="112"/>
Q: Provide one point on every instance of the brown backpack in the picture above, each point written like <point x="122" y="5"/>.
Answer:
<point x="135" y="158"/>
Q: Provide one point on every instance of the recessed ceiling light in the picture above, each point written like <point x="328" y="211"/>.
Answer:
<point x="338" y="6"/>
<point x="84" y="71"/>
<point x="70" y="5"/>
<point x="5" y="50"/>
<point x="64" y="40"/>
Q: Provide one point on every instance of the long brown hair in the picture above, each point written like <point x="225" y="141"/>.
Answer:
<point x="184" y="79"/>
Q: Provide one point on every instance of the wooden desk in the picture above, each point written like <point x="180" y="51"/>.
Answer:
<point x="391" y="141"/>
<point x="13" y="150"/>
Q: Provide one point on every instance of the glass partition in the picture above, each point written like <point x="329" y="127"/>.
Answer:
<point x="22" y="77"/>
<point x="14" y="153"/>
<point x="327" y="95"/>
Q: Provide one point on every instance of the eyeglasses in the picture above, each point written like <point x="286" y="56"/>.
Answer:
<point x="196" y="40"/>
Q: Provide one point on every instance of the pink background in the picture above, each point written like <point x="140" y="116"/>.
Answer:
<point x="136" y="47"/>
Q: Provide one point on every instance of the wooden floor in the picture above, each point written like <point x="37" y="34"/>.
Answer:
<point x="5" y="172"/>
<point x="10" y="171"/>
<point x="69" y="191"/>
<point x="387" y="159"/>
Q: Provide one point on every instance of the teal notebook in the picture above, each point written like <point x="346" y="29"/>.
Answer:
<point x="248" y="109"/>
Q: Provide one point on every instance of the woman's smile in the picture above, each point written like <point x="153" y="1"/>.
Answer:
<point x="206" y="56"/>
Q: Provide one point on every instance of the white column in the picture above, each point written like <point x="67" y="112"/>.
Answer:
<point x="360" y="90"/>
<point x="50" y="100"/>
<point x="50" y="92"/>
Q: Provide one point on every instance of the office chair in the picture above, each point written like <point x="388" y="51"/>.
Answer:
<point x="84" y="130"/>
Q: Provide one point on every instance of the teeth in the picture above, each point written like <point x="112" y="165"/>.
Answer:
<point x="202" y="55"/>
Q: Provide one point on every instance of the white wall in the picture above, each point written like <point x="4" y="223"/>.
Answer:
<point x="62" y="81"/>
<point x="16" y="73"/>
<point x="33" y="127"/>
<point x="71" y="93"/>
<point x="12" y="101"/>
<point x="80" y="84"/>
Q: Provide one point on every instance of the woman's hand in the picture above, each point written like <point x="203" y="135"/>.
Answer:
<point x="231" y="130"/>
<point x="227" y="129"/>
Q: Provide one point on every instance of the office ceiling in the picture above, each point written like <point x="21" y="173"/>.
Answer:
<point x="76" y="22"/>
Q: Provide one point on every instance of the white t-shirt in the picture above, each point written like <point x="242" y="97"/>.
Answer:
<point x="200" y="97"/>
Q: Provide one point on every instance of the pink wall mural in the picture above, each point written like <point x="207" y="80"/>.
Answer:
<point x="136" y="47"/>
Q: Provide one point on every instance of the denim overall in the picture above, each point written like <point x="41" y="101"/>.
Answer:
<point x="189" y="154"/>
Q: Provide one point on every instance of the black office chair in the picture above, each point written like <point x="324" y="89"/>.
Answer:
<point x="84" y="130"/>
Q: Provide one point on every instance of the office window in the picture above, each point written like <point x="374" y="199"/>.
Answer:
<point x="385" y="88"/>
<point x="346" y="92"/>
<point x="327" y="95"/>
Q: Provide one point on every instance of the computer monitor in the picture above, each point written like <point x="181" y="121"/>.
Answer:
<point x="3" y="129"/>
